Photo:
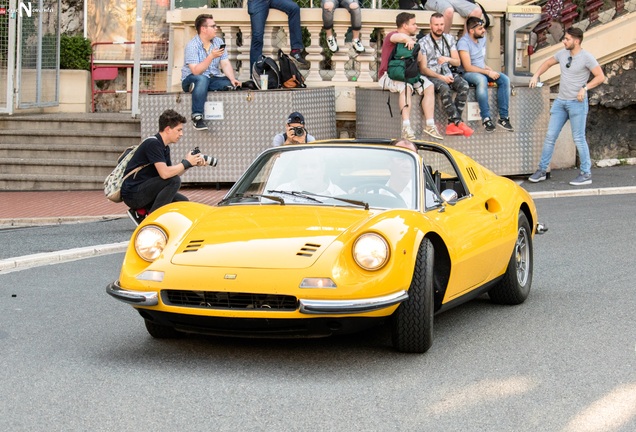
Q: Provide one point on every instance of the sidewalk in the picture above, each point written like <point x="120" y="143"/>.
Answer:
<point x="29" y="208"/>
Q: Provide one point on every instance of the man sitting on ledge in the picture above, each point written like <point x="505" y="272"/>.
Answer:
<point x="206" y="67"/>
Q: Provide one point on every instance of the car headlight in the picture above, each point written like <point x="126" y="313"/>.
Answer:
<point x="150" y="242"/>
<point x="371" y="251"/>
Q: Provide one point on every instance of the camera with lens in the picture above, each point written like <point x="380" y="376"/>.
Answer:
<point x="210" y="160"/>
<point x="298" y="131"/>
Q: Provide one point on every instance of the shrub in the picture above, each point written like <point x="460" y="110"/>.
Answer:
<point x="75" y="52"/>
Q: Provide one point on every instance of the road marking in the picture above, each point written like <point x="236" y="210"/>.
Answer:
<point x="35" y="260"/>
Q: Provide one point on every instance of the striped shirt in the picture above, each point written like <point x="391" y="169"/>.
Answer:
<point x="195" y="54"/>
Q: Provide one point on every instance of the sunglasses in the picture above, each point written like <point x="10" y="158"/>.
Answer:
<point x="569" y="63"/>
<point x="477" y="24"/>
<point x="211" y="26"/>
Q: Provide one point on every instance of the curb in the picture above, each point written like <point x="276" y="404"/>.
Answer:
<point x="55" y="220"/>
<point x="28" y="261"/>
<point x="584" y="192"/>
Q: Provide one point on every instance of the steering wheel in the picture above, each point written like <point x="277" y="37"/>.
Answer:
<point x="375" y="187"/>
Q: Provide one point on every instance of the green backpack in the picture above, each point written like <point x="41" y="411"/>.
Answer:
<point x="403" y="64"/>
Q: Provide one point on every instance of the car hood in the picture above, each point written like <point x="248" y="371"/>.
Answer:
<point x="265" y="236"/>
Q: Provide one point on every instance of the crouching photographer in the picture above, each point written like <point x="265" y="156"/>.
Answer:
<point x="295" y="131"/>
<point x="158" y="180"/>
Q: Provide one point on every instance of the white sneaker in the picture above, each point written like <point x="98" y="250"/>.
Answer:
<point x="408" y="133"/>
<point x="332" y="44"/>
<point x="357" y="45"/>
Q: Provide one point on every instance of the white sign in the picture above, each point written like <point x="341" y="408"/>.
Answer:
<point x="472" y="111"/>
<point x="213" y="111"/>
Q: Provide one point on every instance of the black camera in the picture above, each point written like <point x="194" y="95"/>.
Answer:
<point x="298" y="131"/>
<point x="210" y="160"/>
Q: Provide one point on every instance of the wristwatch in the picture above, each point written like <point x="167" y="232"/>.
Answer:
<point x="585" y="87"/>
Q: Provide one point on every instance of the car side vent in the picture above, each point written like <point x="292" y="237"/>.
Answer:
<point x="308" y="250"/>
<point x="471" y="173"/>
<point x="193" y="246"/>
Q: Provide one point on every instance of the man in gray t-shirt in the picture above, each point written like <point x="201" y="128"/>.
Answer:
<point x="571" y="103"/>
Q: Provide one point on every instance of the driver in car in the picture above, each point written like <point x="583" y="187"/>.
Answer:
<point x="311" y="177"/>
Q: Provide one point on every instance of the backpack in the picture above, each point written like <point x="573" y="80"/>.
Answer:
<point x="290" y="76"/>
<point x="266" y="66"/>
<point x="403" y="64"/>
<point x="114" y="180"/>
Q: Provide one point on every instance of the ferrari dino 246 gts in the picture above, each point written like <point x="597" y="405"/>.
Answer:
<point x="332" y="237"/>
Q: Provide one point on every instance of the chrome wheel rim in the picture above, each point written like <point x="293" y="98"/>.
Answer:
<point x="522" y="256"/>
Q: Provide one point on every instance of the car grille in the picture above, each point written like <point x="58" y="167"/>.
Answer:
<point x="224" y="300"/>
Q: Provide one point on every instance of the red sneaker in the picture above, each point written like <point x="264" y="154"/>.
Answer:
<point x="465" y="129"/>
<point x="452" y="129"/>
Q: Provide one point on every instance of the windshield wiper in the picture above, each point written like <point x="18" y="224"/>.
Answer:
<point x="241" y="196"/>
<point x="296" y="194"/>
<point x="305" y="194"/>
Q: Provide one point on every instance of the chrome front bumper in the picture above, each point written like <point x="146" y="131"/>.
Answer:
<point x="135" y="298"/>
<point x="311" y="307"/>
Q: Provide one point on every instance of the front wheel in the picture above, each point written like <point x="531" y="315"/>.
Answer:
<point x="514" y="287"/>
<point x="412" y="322"/>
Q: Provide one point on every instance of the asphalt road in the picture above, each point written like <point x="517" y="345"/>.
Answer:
<point x="74" y="359"/>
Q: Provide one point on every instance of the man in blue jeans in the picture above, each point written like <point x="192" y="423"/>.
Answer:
<point x="206" y="67"/>
<point x="571" y="103"/>
<point x="472" y="53"/>
<point x="258" y="11"/>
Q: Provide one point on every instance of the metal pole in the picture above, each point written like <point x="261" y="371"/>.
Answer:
<point x="137" y="60"/>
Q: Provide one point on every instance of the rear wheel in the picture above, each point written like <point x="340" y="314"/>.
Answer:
<point x="159" y="331"/>
<point x="514" y="287"/>
<point x="412" y="322"/>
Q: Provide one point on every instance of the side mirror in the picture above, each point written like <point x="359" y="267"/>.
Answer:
<point x="449" y="196"/>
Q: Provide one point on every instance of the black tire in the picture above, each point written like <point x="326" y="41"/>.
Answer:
<point x="412" y="322"/>
<point x="514" y="287"/>
<point x="159" y="331"/>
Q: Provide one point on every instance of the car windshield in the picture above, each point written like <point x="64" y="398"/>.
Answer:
<point x="377" y="177"/>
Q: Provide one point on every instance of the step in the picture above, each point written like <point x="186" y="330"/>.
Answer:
<point x="65" y="167"/>
<point x="69" y="137"/>
<point x="39" y="182"/>
<point x="63" y="151"/>
<point x="105" y="122"/>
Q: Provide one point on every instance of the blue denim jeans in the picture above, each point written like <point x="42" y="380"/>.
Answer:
<point x="576" y="112"/>
<point x="480" y="81"/>
<point x="259" y="10"/>
<point x="202" y="85"/>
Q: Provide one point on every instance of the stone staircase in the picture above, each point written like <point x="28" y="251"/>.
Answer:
<point x="62" y="151"/>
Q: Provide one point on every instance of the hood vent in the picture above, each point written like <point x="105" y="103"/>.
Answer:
<point x="308" y="250"/>
<point x="193" y="246"/>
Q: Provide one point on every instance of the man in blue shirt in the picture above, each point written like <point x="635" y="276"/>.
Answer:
<point x="472" y="53"/>
<point x="206" y="67"/>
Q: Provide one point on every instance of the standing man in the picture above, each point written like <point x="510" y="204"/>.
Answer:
<point x="206" y="67"/>
<point x="258" y="11"/>
<point x="405" y="33"/>
<point x="441" y="68"/>
<point x="472" y="53"/>
<point x="571" y="103"/>
<point x="158" y="182"/>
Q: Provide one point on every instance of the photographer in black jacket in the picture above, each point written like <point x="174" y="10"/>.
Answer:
<point x="158" y="182"/>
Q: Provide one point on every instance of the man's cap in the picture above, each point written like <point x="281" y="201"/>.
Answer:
<point x="296" y="117"/>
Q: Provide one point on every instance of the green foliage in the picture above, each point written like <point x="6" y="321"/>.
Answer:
<point x="75" y="52"/>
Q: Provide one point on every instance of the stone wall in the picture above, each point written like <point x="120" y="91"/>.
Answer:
<point x="611" y="125"/>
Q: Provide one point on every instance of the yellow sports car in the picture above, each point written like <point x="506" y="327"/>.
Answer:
<point x="332" y="237"/>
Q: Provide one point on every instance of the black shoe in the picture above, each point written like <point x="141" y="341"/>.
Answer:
<point x="504" y="122"/>
<point x="299" y="60"/>
<point x="135" y="216"/>
<point x="488" y="125"/>
<point x="198" y="123"/>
